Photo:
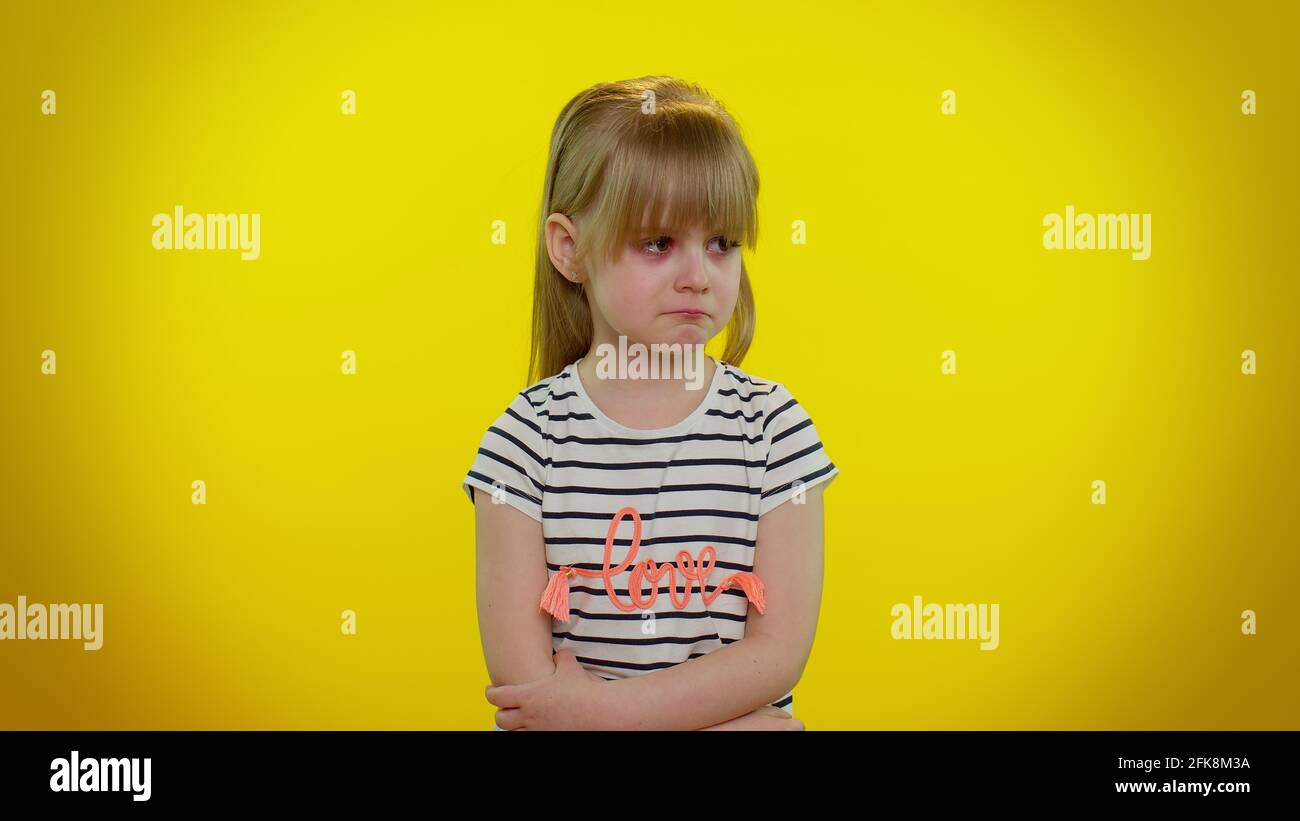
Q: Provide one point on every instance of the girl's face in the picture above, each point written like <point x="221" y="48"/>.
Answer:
<point x="666" y="288"/>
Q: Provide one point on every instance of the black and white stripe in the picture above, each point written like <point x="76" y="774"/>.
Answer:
<point x="706" y="481"/>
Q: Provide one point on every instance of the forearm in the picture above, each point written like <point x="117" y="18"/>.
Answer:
<point x="726" y="683"/>
<point x="516" y="659"/>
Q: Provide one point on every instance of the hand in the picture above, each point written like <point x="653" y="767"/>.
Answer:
<point x="570" y="699"/>
<point x="764" y="718"/>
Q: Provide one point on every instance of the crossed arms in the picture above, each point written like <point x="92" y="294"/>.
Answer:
<point x="537" y="690"/>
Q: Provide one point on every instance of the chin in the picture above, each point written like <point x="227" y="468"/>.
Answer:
<point x="690" y="336"/>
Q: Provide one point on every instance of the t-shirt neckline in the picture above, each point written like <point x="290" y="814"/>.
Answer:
<point x="683" y="426"/>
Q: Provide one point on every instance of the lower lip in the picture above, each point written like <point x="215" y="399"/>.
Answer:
<point x="688" y="314"/>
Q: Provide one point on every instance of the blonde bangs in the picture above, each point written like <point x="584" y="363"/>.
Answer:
<point x="675" y="171"/>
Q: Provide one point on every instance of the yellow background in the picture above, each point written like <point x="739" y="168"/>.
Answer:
<point x="329" y="492"/>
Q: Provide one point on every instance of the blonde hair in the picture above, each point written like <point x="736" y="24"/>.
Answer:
<point x="617" y="148"/>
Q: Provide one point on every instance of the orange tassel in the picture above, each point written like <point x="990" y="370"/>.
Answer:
<point x="555" y="599"/>
<point x="753" y="587"/>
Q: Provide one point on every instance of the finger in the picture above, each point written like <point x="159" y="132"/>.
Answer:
<point x="506" y="695"/>
<point x="510" y="719"/>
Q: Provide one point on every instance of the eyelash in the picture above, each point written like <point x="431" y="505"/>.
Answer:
<point x="728" y="245"/>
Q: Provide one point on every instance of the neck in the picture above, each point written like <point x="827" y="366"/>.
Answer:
<point x="643" y="373"/>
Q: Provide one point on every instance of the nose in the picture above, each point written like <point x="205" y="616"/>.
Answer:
<point x="694" y="275"/>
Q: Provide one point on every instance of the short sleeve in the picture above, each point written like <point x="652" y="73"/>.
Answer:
<point x="511" y="464"/>
<point x="795" y="457"/>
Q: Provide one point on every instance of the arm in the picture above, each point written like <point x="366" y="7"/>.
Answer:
<point x="764" y="718"/>
<point x="761" y="667"/>
<point x="510" y="577"/>
<point x="724" y="689"/>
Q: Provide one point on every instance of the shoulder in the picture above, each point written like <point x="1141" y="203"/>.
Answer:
<point x="794" y="458"/>
<point x="736" y="381"/>
<point x="520" y="429"/>
<point x="764" y="397"/>
<point x="558" y="386"/>
<point x="546" y="391"/>
<point x="535" y="404"/>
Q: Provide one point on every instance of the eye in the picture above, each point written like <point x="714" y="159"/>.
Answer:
<point x="726" y="245"/>
<point x="656" y="242"/>
<point x="659" y="246"/>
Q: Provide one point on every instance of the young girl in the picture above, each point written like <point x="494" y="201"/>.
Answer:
<point x="627" y="524"/>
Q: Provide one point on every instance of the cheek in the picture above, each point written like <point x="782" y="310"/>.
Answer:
<point x="630" y="286"/>
<point x="627" y="294"/>
<point x="622" y="295"/>
<point x="727" y="288"/>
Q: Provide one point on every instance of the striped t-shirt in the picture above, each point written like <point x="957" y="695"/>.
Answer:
<point x="704" y="481"/>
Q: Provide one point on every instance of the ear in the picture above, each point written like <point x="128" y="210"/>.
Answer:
<point x="562" y="245"/>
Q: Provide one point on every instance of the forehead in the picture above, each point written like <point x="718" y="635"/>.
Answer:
<point x="664" y="224"/>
